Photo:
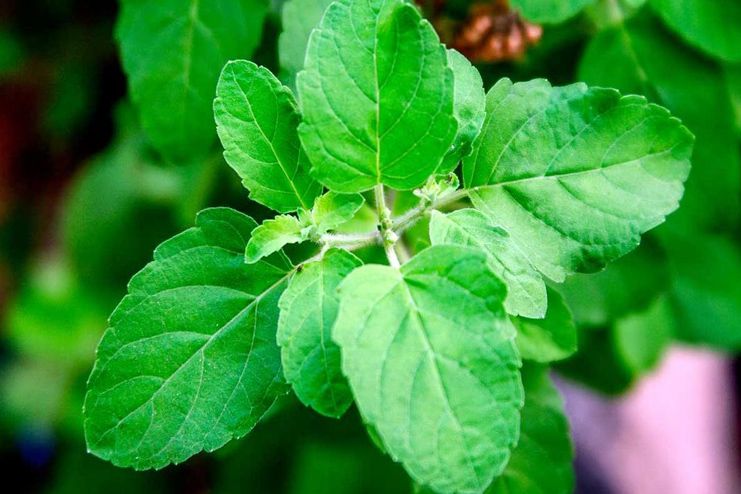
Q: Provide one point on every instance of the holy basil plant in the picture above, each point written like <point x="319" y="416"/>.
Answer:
<point x="516" y="189"/>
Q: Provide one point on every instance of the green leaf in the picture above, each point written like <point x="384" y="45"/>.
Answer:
<point x="376" y="96"/>
<point x="332" y="210"/>
<point x="271" y="236"/>
<point x="598" y="299"/>
<point x="641" y="338"/>
<point x="542" y="461"/>
<point x="431" y="360"/>
<point x="173" y="51"/>
<point x="257" y="122"/>
<point x="641" y="57"/>
<point x="189" y="360"/>
<point x="576" y="175"/>
<point x="733" y="83"/>
<point x="549" y="339"/>
<point x="308" y="309"/>
<point x="549" y="11"/>
<point x="469" y="109"/>
<point x="299" y="17"/>
<point x="526" y="293"/>
<point x="706" y="292"/>
<point x="709" y="25"/>
<point x="598" y="364"/>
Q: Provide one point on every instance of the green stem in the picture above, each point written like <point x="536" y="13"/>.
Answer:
<point x="389" y="229"/>
<point x="388" y="236"/>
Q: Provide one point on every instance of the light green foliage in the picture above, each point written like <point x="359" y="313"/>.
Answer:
<point x="332" y="210"/>
<point x="272" y="236"/>
<point x="606" y="168"/>
<point x="173" y="51"/>
<point x="526" y="294"/>
<point x="710" y="25"/>
<point x="688" y="85"/>
<point x="257" y="121"/>
<point x="550" y="11"/>
<point x="299" y="18"/>
<point x="376" y="96"/>
<point x="469" y="109"/>
<point x="308" y="309"/>
<point x="189" y="360"/>
<point x="549" y="339"/>
<point x="431" y="360"/>
<point x="542" y="461"/>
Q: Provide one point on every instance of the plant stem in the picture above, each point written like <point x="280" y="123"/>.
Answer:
<point x="388" y="236"/>
<point x="389" y="229"/>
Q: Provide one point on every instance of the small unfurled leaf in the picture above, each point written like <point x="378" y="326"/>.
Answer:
<point x="308" y="309"/>
<point x="526" y="293"/>
<point x="299" y="17"/>
<point x="271" y="236"/>
<point x="576" y="175"/>
<point x="189" y="360"/>
<point x="173" y="51"/>
<point x="542" y="461"/>
<point x="431" y="360"/>
<point x="257" y="122"/>
<point x="332" y="210"/>
<point x="469" y="109"/>
<point x="376" y="97"/>
<point x="709" y="25"/>
<point x="549" y="339"/>
<point x="550" y="11"/>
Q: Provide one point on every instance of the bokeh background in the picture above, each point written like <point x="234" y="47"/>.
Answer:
<point x="652" y="394"/>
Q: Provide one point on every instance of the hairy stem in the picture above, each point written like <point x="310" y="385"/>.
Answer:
<point x="389" y="229"/>
<point x="386" y="224"/>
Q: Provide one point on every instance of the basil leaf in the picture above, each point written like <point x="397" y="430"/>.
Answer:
<point x="308" y="308"/>
<point x="576" y="175"/>
<point x="256" y="119"/>
<point x="299" y="18"/>
<point x="332" y="210"/>
<point x="709" y="25"/>
<point x="687" y="84"/>
<point x="542" y="460"/>
<point x="526" y="293"/>
<point x="549" y="339"/>
<point x="431" y="361"/>
<point x="173" y="51"/>
<point x="189" y="360"/>
<point x="376" y="96"/>
<point x="469" y="109"/>
<point x="271" y="236"/>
